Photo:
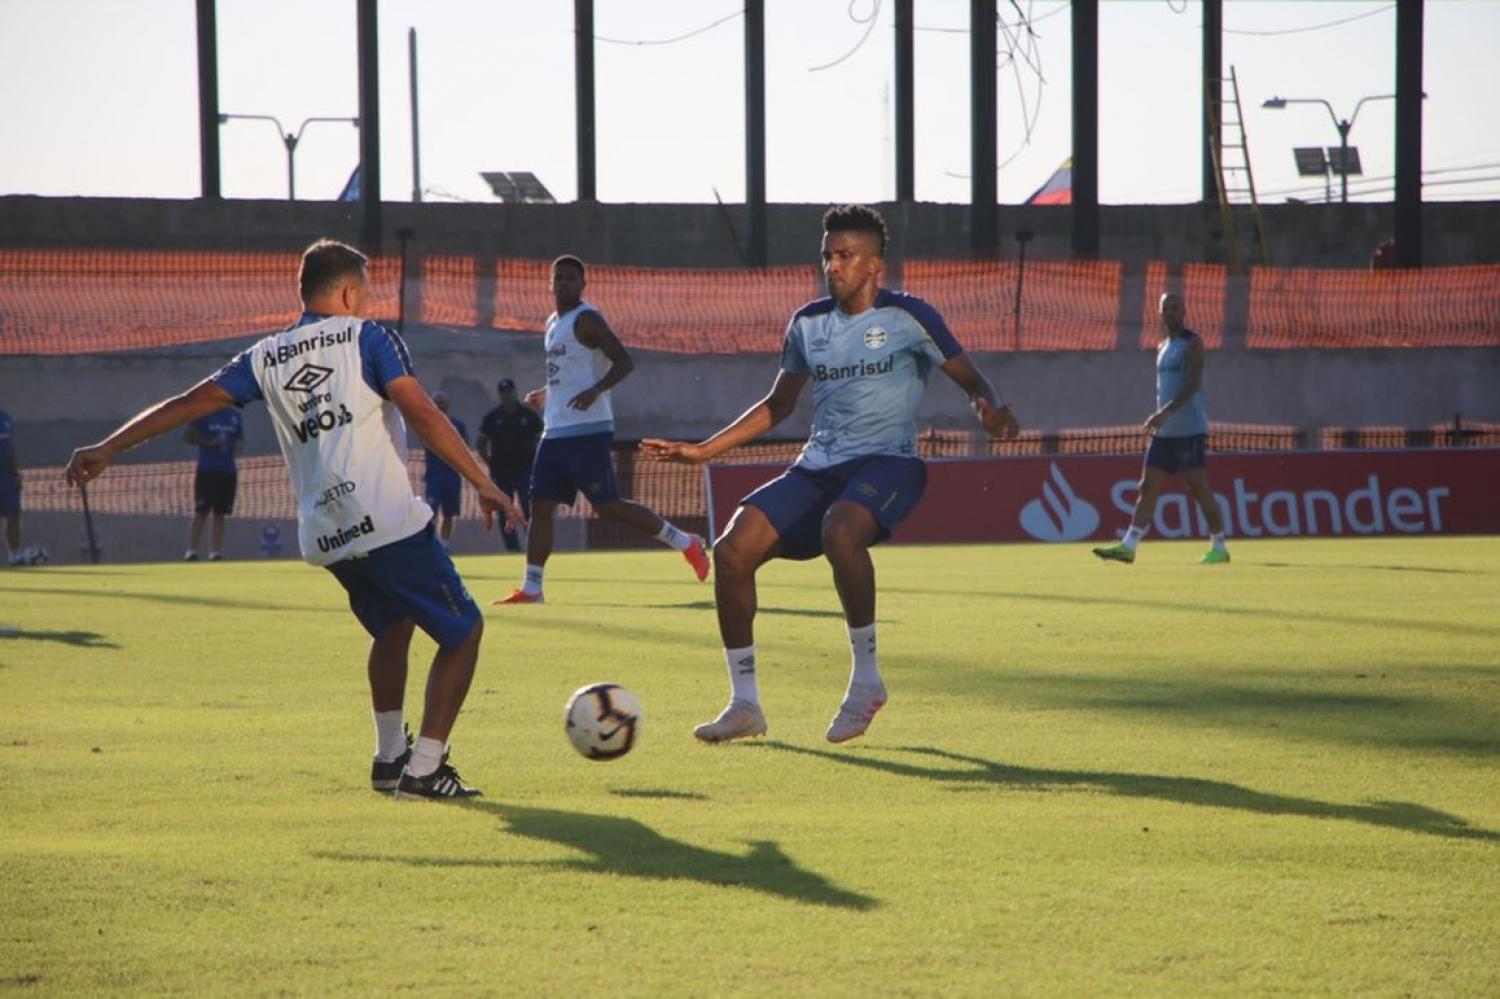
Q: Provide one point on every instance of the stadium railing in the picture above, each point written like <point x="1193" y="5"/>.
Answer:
<point x="677" y="492"/>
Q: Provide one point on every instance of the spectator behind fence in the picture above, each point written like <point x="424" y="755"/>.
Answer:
<point x="10" y="498"/>
<point x="507" y="442"/>
<point x="219" y="437"/>
<point x="441" y="485"/>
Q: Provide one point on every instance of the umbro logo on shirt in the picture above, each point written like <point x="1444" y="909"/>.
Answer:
<point x="307" y="378"/>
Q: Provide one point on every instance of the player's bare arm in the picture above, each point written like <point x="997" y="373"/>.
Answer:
<point x="436" y="431"/>
<point x="593" y="332"/>
<point x="88" y="463"/>
<point x="1190" y="388"/>
<point x="777" y="405"/>
<point x="997" y="418"/>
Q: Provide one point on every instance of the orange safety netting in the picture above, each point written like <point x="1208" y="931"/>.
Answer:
<point x="1436" y="307"/>
<point x="93" y="301"/>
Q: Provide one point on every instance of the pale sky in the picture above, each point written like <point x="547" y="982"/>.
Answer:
<point x="99" y="97"/>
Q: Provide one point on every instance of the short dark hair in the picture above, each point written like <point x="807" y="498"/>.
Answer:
<point x="856" y="218"/>
<point x="572" y="261"/>
<point x="324" y="264"/>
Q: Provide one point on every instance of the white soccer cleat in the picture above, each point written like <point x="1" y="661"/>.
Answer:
<point x="857" y="711"/>
<point x="740" y="720"/>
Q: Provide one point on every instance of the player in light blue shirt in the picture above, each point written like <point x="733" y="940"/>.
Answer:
<point x="1179" y="438"/>
<point x="868" y="353"/>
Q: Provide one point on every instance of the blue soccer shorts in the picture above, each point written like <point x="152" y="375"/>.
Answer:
<point x="1177" y="454"/>
<point x="796" y="501"/>
<point x="411" y="579"/>
<point x="444" y="497"/>
<point x="566" y="466"/>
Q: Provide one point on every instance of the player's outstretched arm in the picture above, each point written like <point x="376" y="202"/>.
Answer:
<point x="996" y="417"/>
<point x="441" y="437"/>
<point x="88" y="463"/>
<point x="777" y="405"/>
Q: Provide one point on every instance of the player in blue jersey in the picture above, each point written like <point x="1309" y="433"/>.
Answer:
<point x="341" y="391"/>
<point x="868" y="353"/>
<point x="219" y="437"/>
<point x="10" y="499"/>
<point x="1179" y="438"/>
<point x="441" y="484"/>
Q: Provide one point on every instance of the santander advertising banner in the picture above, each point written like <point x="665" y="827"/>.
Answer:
<point x="1262" y="495"/>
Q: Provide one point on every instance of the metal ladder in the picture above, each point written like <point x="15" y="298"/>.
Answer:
<point x="1232" y="171"/>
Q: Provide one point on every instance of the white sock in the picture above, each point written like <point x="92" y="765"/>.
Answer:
<point x="862" y="643"/>
<point x="669" y="535"/>
<point x="425" y="756"/>
<point x="741" y="663"/>
<point x="1133" y="537"/>
<point x="390" y="737"/>
<point x="1217" y="540"/>
<point x="533" y="582"/>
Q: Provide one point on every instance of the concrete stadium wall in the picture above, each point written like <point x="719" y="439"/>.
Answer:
<point x="708" y="235"/>
<point x="61" y="402"/>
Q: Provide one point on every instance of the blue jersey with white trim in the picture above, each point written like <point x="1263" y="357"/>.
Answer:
<point x="868" y="372"/>
<point x="1171" y="375"/>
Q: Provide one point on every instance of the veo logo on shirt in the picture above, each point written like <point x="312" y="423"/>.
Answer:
<point x="322" y="422"/>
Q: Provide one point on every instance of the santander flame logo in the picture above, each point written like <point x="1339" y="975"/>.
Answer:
<point x="1060" y="515"/>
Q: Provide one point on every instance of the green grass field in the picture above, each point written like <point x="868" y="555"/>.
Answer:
<point x="1273" y="777"/>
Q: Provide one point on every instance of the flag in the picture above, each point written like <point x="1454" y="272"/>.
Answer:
<point x="351" y="188"/>
<point x="1059" y="187"/>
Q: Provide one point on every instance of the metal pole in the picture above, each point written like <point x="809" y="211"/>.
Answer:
<point x="583" y="69"/>
<point x="416" y="135"/>
<point x="984" y="228"/>
<point x="1213" y="75"/>
<point x="1408" y="228"/>
<point x="208" y="100"/>
<point x="906" y="145"/>
<point x="1085" y="128"/>
<point x="755" y="132"/>
<point x="369" y="124"/>
<point x="1023" y="237"/>
<point x="290" y="141"/>
<point x="1344" y="162"/>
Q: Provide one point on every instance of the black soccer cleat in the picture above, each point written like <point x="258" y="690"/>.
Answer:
<point x="386" y="774"/>
<point x="442" y="783"/>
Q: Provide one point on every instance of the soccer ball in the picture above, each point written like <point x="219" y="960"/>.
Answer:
<point x="603" y="720"/>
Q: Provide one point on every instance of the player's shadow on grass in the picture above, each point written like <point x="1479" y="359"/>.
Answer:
<point x="708" y="605"/>
<point x="190" y="600"/>
<point x="81" y="639"/>
<point x="1381" y="568"/>
<point x="973" y="770"/>
<point x="616" y="845"/>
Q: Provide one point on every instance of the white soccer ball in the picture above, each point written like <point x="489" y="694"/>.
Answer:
<point x="603" y="720"/>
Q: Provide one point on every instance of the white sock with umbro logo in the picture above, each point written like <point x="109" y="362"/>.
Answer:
<point x="741" y="663"/>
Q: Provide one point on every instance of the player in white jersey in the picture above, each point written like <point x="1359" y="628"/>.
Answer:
<point x="869" y="353"/>
<point x="340" y="391"/>
<point x="584" y="361"/>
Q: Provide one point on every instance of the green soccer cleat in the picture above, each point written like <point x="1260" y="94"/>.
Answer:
<point x="1214" y="557"/>
<point x="1116" y="552"/>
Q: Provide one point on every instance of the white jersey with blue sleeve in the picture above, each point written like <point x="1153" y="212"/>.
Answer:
<point x="868" y="372"/>
<point x="323" y="381"/>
